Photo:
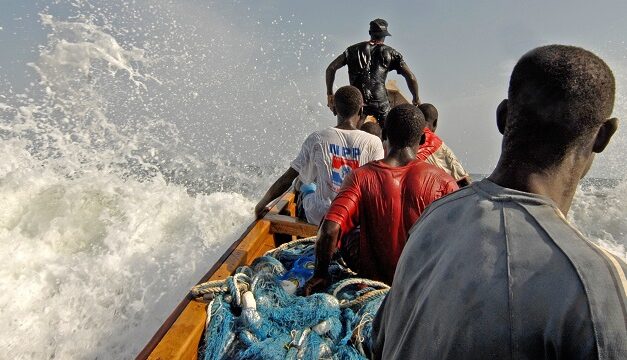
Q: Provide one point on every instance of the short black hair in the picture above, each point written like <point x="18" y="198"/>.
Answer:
<point x="557" y="96"/>
<point x="348" y="101"/>
<point x="372" y="128"/>
<point x="430" y="112"/>
<point x="404" y="125"/>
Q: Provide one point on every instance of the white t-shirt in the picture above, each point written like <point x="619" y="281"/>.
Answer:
<point x="326" y="157"/>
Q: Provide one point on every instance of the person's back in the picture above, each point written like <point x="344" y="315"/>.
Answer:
<point x="368" y="66"/>
<point x="326" y="158"/>
<point x="509" y="278"/>
<point x="390" y="200"/>
<point x="495" y="270"/>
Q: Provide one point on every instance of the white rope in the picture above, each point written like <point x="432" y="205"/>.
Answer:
<point x="355" y="281"/>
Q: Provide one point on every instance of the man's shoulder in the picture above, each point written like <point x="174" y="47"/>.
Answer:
<point x="390" y="50"/>
<point x="361" y="135"/>
<point x="357" y="46"/>
<point x="457" y="199"/>
<point x="322" y="134"/>
<point x="365" y="173"/>
<point x="423" y="169"/>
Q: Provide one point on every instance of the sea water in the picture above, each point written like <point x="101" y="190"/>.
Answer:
<point x="132" y="154"/>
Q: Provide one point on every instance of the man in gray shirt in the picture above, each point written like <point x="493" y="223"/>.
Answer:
<point x="495" y="271"/>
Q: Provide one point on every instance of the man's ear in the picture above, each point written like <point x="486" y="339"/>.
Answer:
<point x="605" y="134"/>
<point x="501" y="116"/>
<point x="423" y="138"/>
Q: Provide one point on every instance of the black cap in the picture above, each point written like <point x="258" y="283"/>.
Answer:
<point x="379" y="27"/>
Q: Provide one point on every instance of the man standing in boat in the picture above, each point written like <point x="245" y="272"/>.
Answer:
<point x="495" y="270"/>
<point x="327" y="156"/>
<point x="368" y="65"/>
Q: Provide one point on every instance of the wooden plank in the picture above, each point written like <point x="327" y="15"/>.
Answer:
<point x="245" y="253"/>
<point x="283" y="224"/>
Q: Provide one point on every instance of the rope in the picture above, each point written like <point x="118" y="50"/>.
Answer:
<point x="354" y="281"/>
<point x="358" y="337"/>
<point x="215" y="287"/>
<point x="208" y="313"/>
<point x="362" y="322"/>
<point x="363" y="299"/>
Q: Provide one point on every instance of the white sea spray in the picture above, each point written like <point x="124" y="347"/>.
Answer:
<point x="599" y="211"/>
<point x="126" y="170"/>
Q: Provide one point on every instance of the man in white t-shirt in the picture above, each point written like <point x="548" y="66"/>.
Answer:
<point x="327" y="156"/>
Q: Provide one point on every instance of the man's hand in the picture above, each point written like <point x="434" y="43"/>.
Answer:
<point x="331" y="104"/>
<point x="315" y="284"/>
<point x="416" y="102"/>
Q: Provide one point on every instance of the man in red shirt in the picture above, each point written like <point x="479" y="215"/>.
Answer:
<point x="384" y="198"/>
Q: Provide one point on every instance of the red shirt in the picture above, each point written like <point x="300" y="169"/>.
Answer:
<point x="386" y="202"/>
<point x="431" y="145"/>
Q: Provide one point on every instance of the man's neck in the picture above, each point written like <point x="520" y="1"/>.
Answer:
<point x="349" y="123"/>
<point x="558" y="184"/>
<point x="400" y="157"/>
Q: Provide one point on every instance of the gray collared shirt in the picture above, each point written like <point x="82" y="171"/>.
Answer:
<point x="494" y="273"/>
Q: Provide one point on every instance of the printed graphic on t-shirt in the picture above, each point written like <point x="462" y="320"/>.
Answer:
<point x="343" y="161"/>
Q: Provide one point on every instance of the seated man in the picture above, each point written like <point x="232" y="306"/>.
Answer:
<point x="327" y="156"/>
<point x="435" y="152"/>
<point x="384" y="198"/>
<point x="496" y="271"/>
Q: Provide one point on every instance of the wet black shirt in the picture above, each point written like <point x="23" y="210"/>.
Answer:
<point x="368" y="67"/>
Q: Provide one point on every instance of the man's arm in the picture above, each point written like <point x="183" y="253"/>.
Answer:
<point x="328" y="237"/>
<point x="412" y="82"/>
<point x="280" y="186"/>
<point x="330" y="78"/>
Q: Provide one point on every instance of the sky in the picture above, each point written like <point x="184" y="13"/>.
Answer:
<point x="462" y="52"/>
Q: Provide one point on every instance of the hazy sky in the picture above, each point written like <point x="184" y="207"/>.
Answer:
<point x="462" y="52"/>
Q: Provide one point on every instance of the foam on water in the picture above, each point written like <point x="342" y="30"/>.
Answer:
<point x="598" y="211"/>
<point x="93" y="264"/>
<point x="126" y="170"/>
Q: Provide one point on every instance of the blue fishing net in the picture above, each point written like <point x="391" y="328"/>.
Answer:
<point x="283" y="325"/>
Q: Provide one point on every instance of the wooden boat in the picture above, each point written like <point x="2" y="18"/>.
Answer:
<point x="180" y="334"/>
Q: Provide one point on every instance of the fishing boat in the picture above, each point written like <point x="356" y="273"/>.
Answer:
<point x="180" y="335"/>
